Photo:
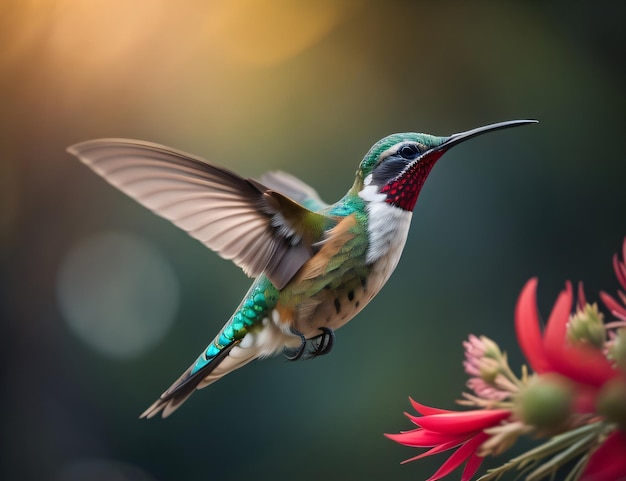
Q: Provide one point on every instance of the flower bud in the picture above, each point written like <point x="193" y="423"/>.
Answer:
<point x="617" y="349"/>
<point x="491" y="349"/>
<point x="489" y="370"/>
<point x="611" y="402"/>
<point x="587" y="326"/>
<point x="546" y="402"/>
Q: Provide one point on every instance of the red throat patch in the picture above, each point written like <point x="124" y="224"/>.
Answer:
<point x="404" y="190"/>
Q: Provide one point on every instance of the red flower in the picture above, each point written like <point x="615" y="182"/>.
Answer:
<point x="575" y="358"/>
<point x="552" y="352"/>
<point x="442" y="430"/>
<point x="608" y="462"/>
<point x="617" y="309"/>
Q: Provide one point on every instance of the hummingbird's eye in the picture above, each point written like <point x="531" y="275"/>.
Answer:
<point x="409" y="152"/>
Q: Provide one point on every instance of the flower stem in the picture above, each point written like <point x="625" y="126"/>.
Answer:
<point x="566" y="441"/>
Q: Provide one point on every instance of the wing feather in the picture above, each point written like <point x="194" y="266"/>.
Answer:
<point x="261" y="230"/>
<point x="295" y="188"/>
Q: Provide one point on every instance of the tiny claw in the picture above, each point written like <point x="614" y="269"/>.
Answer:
<point x="327" y="341"/>
<point x="300" y="349"/>
<point x="317" y="346"/>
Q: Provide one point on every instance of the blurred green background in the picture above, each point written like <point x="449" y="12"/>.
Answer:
<point x="104" y="304"/>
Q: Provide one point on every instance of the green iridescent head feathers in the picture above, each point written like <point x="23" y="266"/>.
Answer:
<point x="382" y="149"/>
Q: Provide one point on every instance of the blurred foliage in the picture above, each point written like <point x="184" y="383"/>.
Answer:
<point x="307" y="87"/>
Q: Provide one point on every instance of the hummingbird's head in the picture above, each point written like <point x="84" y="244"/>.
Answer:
<point x="396" y="167"/>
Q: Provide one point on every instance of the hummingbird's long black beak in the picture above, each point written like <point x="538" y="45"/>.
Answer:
<point x="455" y="139"/>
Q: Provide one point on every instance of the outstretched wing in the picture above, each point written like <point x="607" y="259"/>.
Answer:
<point x="294" y="188"/>
<point x="261" y="230"/>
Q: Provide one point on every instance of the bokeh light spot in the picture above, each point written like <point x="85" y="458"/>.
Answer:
<point x="287" y="29"/>
<point x="118" y="294"/>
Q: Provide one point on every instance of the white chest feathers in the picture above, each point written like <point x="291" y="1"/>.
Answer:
<point x="388" y="227"/>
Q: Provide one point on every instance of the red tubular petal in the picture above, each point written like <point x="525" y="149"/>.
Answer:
<point x="612" y="305"/>
<point x="527" y="327"/>
<point x="585" y="399"/>
<point x="608" y="463"/>
<point x="459" y="456"/>
<point x="580" y="363"/>
<point x="416" y="419"/>
<point x="583" y="364"/>
<point x="582" y="300"/>
<point x="620" y="270"/>
<point x="427" y="410"/>
<point x="436" y="450"/>
<point x="464" y="421"/>
<point x="555" y="334"/>
<point x="421" y="438"/>
<point x="473" y="463"/>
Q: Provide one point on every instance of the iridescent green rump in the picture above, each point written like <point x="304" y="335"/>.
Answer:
<point x="257" y="303"/>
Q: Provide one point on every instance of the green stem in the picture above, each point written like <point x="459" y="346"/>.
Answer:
<point x="563" y="457"/>
<point x="583" y="434"/>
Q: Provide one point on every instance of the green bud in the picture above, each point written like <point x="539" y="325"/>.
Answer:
<point x="489" y="372"/>
<point x="546" y="402"/>
<point x="617" y="349"/>
<point x="492" y="351"/>
<point x="587" y="326"/>
<point x="611" y="402"/>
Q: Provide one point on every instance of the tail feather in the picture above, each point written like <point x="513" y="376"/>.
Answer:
<point x="237" y="358"/>
<point x="187" y="383"/>
<point x="260" y="343"/>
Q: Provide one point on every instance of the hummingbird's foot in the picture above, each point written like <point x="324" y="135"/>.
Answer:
<point x="300" y="350"/>
<point x="326" y="342"/>
<point x="311" y="348"/>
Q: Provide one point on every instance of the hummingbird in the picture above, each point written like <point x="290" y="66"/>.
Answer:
<point x="316" y="265"/>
